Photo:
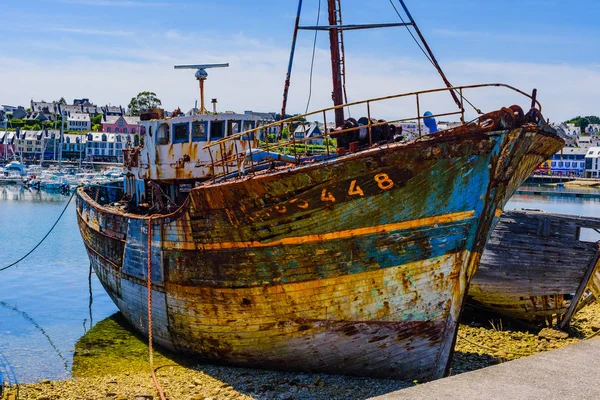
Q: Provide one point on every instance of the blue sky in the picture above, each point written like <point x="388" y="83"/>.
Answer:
<point x="108" y="50"/>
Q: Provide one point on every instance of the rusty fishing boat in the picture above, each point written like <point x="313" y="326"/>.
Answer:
<point x="355" y="260"/>
<point x="538" y="268"/>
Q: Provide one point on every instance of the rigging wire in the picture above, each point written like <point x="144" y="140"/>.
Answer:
<point x="411" y="34"/>
<point x="312" y="62"/>
<point x="44" y="238"/>
<point x="425" y="53"/>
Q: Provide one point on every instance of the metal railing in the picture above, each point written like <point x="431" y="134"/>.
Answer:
<point x="236" y="158"/>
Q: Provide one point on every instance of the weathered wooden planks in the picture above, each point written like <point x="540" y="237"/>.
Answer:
<point x="533" y="264"/>
<point x="357" y="265"/>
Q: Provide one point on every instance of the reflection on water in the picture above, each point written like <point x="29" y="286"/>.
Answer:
<point x="45" y="299"/>
<point x="38" y="327"/>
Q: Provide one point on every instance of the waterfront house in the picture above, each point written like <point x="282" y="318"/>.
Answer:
<point x="120" y="124"/>
<point x="570" y="161"/>
<point x="7" y="144"/>
<point x="74" y="146"/>
<point x="592" y="163"/>
<point x="78" y="122"/>
<point x="108" y="147"/>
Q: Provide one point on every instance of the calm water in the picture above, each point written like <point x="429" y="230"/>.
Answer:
<point x="45" y="301"/>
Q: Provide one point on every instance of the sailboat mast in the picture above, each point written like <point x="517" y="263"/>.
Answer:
<point x="336" y="71"/>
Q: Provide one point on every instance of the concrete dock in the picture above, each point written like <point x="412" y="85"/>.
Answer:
<point x="572" y="372"/>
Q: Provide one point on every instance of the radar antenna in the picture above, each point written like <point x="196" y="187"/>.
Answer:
<point x="201" y="75"/>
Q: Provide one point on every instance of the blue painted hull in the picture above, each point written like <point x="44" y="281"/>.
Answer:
<point x="357" y="265"/>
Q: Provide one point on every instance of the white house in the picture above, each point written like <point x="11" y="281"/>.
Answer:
<point x="310" y="130"/>
<point x="592" y="163"/>
<point x="572" y="130"/>
<point x="78" y="122"/>
<point x="106" y="146"/>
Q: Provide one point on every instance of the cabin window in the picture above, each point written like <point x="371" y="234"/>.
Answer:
<point x="246" y="126"/>
<point x="121" y="122"/>
<point x="103" y="137"/>
<point x="108" y="130"/>
<point x="199" y="131"/>
<point x="162" y="135"/>
<point x="233" y="127"/>
<point x="217" y="130"/>
<point x="116" y="130"/>
<point x="125" y="130"/>
<point x="180" y="133"/>
<point x="132" y="130"/>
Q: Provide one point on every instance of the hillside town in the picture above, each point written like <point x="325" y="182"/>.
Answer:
<point x="100" y="133"/>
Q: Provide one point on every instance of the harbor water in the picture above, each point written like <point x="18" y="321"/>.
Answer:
<point x="50" y="299"/>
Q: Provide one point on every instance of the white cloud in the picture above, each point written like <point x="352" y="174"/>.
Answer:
<point x="255" y="78"/>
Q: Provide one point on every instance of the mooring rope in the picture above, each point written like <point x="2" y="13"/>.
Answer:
<point x="149" y="287"/>
<point x="44" y="238"/>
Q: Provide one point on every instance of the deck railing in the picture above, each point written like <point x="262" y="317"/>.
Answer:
<point x="235" y="158"/>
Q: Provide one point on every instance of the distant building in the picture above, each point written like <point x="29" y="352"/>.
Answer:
<point x="103" y="146"/>
<point x="44" y="107"/>
<point x="19" y="112"/>
<point x="74" y="146"/>
<point x="78" y="122"/>
<point x="7" y="144"/>
<point x="113" y="111"/>
<point x="570" y="161"/>
<point x="592" y="163"/>
<point x="120" y="124"/>
<point x="310" y="130"/>
<point x="593" y="129"/>
<point x="572" y="130"/>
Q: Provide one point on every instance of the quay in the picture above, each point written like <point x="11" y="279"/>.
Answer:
<point x="570" y="373"/>
<point x="559" y="193"/>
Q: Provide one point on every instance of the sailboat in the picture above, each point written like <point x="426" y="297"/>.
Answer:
<point x="235" y="245"/>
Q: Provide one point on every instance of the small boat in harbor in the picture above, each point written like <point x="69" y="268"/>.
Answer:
<point x="538" y="268"/>
<point x="250" y="250"/>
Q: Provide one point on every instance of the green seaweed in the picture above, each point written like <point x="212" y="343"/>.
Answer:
<point x="113" y="347"/>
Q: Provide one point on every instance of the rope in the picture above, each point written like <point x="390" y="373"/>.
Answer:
<point x="44" y="238"/>
<point x="149" y="287"/>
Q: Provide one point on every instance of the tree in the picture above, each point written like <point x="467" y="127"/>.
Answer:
<point x="62" y="101"/>
<point x="97" y="119"/>
<point x="142" y="102"/>
<point x="96" y="127"/>
<point x="583" y="122"/>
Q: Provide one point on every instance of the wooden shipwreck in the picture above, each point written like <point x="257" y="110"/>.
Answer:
<point x="538" y="268"/>
<point x="354" y="261"/>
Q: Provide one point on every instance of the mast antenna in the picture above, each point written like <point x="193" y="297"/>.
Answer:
<point x="201" y="75"/>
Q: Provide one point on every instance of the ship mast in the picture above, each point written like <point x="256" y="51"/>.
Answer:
<point x="336" y="45"/>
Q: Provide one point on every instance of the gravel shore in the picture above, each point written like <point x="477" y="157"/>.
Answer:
<point x="111" y="363"/>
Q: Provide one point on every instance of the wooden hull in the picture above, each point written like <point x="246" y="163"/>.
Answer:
<point x="535" y="268"/>
<point x="357" y="265"/>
